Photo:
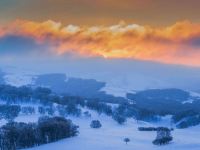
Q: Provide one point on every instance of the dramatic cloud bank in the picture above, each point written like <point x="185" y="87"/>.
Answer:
<point x="176" y="44"/>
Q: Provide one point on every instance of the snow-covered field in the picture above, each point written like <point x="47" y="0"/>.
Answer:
<point x="111" y="135"/>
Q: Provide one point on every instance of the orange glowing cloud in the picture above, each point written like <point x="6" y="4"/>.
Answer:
<point x="176" y="44"/>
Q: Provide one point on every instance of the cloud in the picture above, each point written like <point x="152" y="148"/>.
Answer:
<point x="176" y="44"/>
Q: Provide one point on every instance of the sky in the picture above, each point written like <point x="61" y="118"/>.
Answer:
<point x="101" y="12"/>
<point x="154" y="30"/>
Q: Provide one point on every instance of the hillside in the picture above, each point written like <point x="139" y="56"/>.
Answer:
<point x="111" y="136"/>
<point x="83" y="100"/>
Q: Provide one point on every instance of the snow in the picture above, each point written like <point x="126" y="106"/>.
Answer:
<point x="2" y="122"/>
<point x="18" y="80"/>
<point x="27" y="118"/>
<point x="18" y="77"/>
<point x="111" y="135"/>
<point x="188" y="101"/>
<point x="119" y="84"/>
<point x="119" y="80"/>
<point x="194" y="94"/>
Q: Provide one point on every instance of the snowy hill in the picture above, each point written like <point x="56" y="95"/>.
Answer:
<point x="111" y="135"/>
<point x="118" y="84"/>
<point x="127" y="77"/>
<point x="120" y="76"/>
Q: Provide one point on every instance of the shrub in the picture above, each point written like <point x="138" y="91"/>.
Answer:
<point x="162" y="141"/>
<point x="147" y="129"/>
<point x="163" y="136"/>
<point x="126" y="140"/>
<point x="95" y="124"/>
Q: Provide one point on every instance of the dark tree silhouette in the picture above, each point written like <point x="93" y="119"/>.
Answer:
<point x="95" y="124"/>
<point x="126" y="140"/>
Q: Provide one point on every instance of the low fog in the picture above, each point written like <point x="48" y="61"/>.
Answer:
<point x="119" y="74"/>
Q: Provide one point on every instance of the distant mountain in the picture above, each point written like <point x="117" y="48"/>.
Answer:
<point x="161" y="94"/>
<point x="88" y="88"/>
<point x="76" y="86"/>
<point x="165" y="101"/>
<point x="59" y="83"/>
<point x="121" y="76"/>
<point x="101" y="77"/>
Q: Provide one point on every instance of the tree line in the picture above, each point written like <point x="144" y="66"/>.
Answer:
<point x="15" y="135"/>
<point x="69" y="105"/>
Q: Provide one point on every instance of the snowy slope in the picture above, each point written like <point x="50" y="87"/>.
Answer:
<point x="120" y="76"/>
<point x="117" y="83"/>
<point x="18" y="77"/>
<point x="111" y="135"/>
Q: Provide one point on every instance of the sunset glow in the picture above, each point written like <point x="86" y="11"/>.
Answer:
<point x="176" y="44"/>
